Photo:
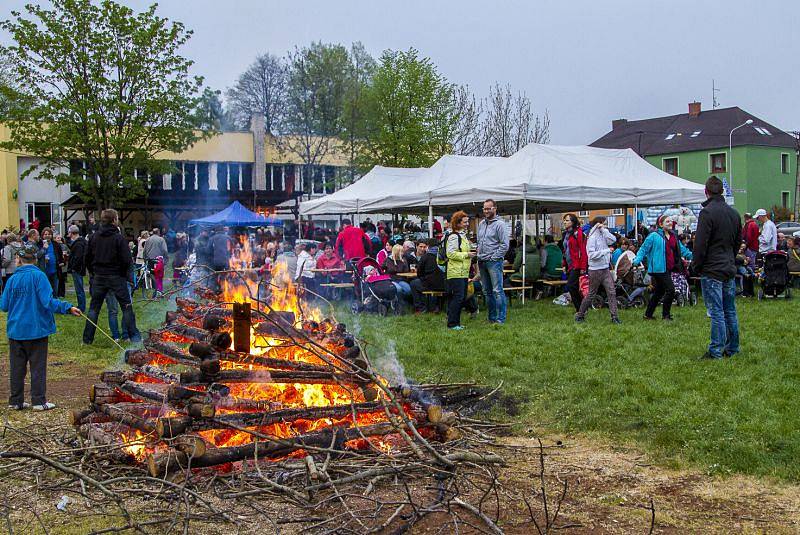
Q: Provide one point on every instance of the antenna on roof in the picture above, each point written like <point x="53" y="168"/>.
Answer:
<point x="714" y="91"/>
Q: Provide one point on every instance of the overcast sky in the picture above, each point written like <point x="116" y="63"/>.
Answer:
<point x="585" y="61"/>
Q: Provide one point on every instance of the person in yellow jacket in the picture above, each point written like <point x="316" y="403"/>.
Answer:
<point x="459" y="258"/>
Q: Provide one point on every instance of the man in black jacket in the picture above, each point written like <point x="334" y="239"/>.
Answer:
<point x="108" y="261"/>
<point x="719" y="235"/>
<point x="429" y="277"/>
<point x="76" y="264"/>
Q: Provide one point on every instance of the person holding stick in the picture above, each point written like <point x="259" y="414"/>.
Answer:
<point x="28" y="300"/>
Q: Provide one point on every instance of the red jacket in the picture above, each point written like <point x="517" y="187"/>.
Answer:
<point x="578" y="257"/>
<point x="351" y="243"/>
<point x="750" y="234"/>
<point x="334" y="262"/>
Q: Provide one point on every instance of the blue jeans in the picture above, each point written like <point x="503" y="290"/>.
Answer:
<point x="77" y="281"/>
<point x="492" y="283"/>
<point x="720" y="300"/>
<point x="403" y="290"/>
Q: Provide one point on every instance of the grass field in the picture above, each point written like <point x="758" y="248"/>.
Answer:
<point x="639" y="383"/>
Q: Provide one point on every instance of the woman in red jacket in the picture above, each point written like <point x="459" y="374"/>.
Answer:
<point x="576" y="261"/>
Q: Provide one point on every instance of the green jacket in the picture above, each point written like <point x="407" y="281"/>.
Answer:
<point x="554" y="260"/>
<point x="533" y="265"/>
<point x="458" y="259"/>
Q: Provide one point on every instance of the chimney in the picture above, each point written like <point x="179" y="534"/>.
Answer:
<point x="616" y="123"/>
<point x="258" y="128"/>
<point x="694" y="109"/>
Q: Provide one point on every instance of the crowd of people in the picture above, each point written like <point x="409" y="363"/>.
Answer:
<point x="464" y="258"/>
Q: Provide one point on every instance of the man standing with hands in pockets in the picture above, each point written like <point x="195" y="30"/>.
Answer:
<point x="492" y="247"/>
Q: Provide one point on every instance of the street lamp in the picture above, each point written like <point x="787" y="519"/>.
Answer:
<point x="730" y="157"/>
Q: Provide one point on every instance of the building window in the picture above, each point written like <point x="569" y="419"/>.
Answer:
<point x="670" y="165"/>
<point x="717" y="162"/>
<point x="785" y="199"/>
<point x="583" y="213"/>
<point x="784" y="163"/>
<point x="618" y="211"/>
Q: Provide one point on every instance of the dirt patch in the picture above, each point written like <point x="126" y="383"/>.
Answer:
<point x="609" y="491"/>
<point x="68" y="381"/>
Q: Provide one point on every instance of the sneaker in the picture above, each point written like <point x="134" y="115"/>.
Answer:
<point x="473" y="315"/>
<point x="457" y="328"/>
<point x="498" y="323"/>
<point x="580" y="319"/>
<point x="667" y="318"/>
<point x="649" y="318"/>
<point x="709" y="356"/>
<point x="616" y="321"/>
<point x="45" y="407"/>
<point x="14" y="407"/>
<point x="727" y="353"/>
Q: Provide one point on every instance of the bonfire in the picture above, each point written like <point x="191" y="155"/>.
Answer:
<point x="251" y="373"/>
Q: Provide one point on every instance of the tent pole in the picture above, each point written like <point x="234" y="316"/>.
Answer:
<point x="430" y="219"/>
<point x="636" y="223"/>
<point x="524" y="228"/>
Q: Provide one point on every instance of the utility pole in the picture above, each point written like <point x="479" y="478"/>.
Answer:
<point x="796" y="135"/>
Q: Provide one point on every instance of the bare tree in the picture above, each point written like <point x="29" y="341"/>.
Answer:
<point x="260" y="89"/>
<point x="510" y="123"/>
<point x="467" y="137"/>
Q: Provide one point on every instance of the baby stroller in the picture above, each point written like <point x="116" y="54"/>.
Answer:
<point x="374" y="291"/>
<point x="775" y="276"/>
<point x="683" y="292"/>
<point x="629" y="285"/>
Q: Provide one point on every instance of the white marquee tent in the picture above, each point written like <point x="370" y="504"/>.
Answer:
<point x="351" y="200"/>
<point x="565" y="177"/>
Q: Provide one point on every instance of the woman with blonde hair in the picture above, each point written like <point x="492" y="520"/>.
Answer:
<point x="460" y="252"/>
<point x="395" y="264"/>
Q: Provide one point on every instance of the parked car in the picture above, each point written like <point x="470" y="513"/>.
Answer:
<point x="789" y="227"/>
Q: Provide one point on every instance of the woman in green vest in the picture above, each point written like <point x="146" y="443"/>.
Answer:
<point x="552" y="257"/>
<point x="459" y="258"/>
<point x="533" y="264"/>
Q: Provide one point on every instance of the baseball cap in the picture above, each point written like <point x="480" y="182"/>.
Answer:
<point x="28" y="251"/>
<point x="760" y="212"/>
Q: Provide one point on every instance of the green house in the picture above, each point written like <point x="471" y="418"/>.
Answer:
<point x="760" y="170"/>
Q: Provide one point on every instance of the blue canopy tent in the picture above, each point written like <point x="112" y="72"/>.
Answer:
<point x="237" y="215"/>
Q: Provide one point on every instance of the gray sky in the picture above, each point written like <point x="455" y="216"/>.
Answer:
<point x="586" y="61"/>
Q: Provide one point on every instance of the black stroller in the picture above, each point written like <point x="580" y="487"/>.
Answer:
<point x="374" y="292"/>
<point x="775" y="276"/>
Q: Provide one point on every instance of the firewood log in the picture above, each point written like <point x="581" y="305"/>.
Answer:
<point x="162" y="463"/>
<point x="167" y="427"/>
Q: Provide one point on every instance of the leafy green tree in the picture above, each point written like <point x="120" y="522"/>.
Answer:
<point x="362" y="68"/>
<point x="315" y="93"/>
<point x="103" y="85"/>
<point x="409" y="113"/>
<point x="210" y="114"/>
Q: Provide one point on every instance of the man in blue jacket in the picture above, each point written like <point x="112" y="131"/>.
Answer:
<point x="28" y="299"/>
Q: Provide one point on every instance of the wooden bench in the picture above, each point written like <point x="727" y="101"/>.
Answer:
<point x="552" y="285"/>
<point x="437" y="295"/>
<point x="338" y="285"/>
<point x="519" y="289"/>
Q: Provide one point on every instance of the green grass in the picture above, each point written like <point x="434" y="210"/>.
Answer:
<point x="67" y="342"/>
<point x="640" y="383"/>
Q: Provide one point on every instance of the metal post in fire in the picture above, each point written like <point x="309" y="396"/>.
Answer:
<point x="241" y="327"/>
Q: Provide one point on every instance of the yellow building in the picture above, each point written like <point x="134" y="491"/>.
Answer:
<point x="257" y="170"/>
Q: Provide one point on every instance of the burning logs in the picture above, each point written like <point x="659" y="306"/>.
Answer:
<point x="171" y="426"/>
<point x="202" y="392"/>
<point x="162" y="463"/>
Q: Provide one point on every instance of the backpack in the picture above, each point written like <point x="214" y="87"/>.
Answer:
<point x="441" y="253"/>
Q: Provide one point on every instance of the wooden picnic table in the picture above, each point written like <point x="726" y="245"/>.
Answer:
<point x="329" y="270"/>
<point x="407" y="275"/>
